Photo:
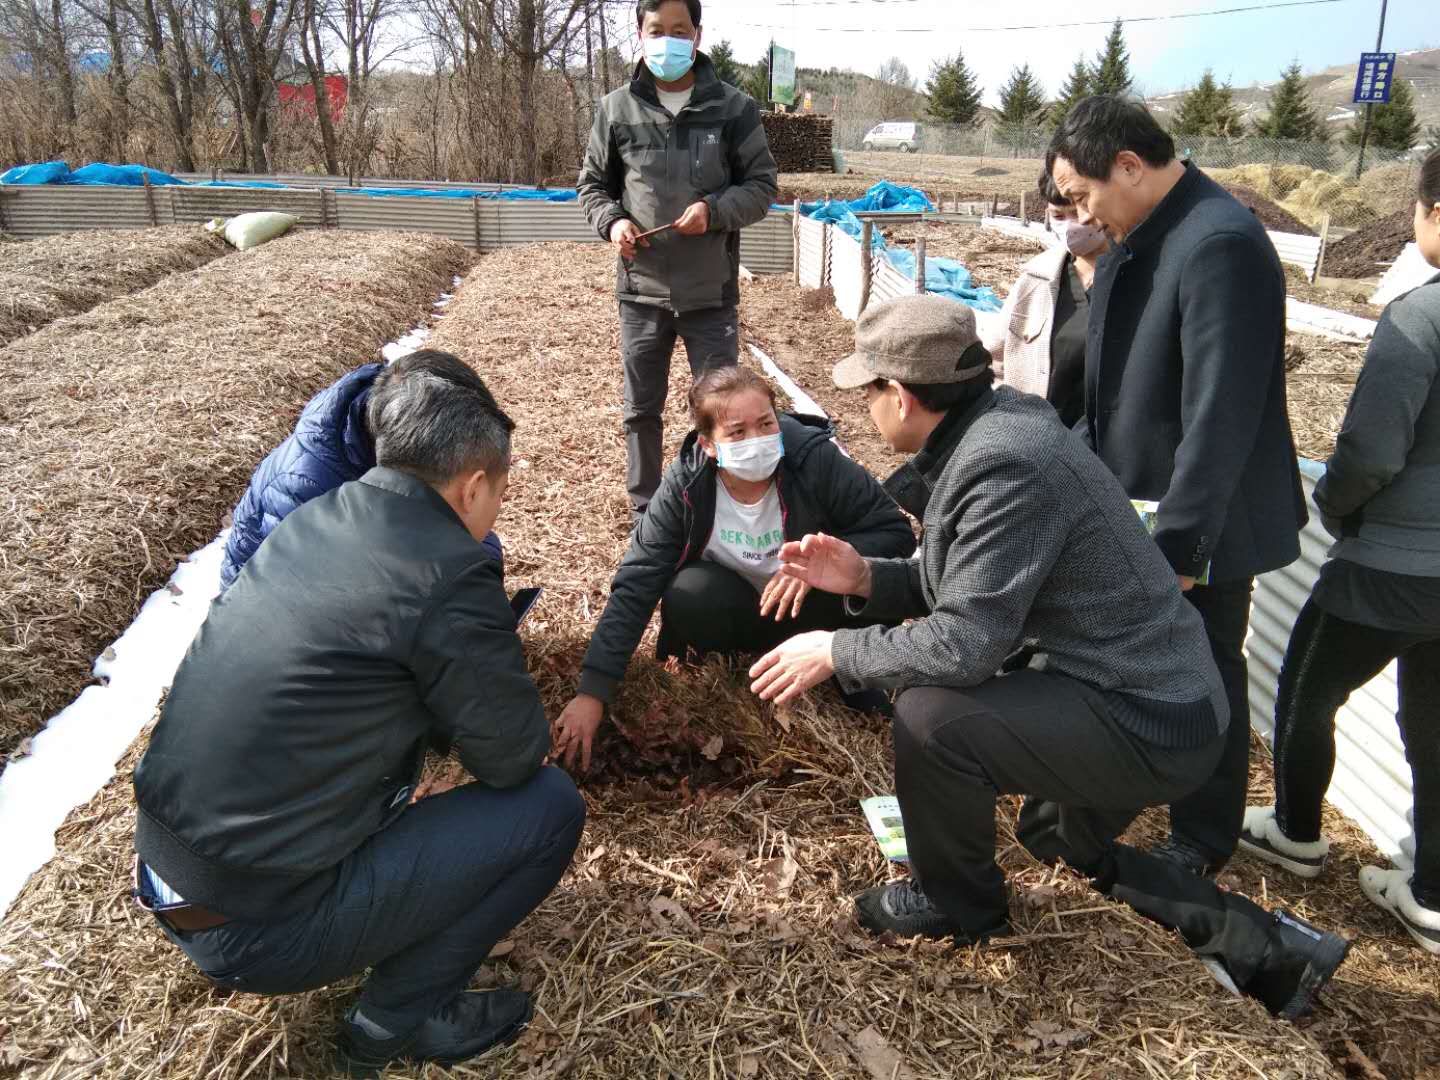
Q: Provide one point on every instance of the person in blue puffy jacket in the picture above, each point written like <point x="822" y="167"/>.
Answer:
<point x="331" y="445"/>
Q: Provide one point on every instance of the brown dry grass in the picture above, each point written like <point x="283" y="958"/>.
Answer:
<point x="1319" y="379"/>
<point x="56" y="276"/>
<point x="705" y="928"/>
<point x="126" y="433"/>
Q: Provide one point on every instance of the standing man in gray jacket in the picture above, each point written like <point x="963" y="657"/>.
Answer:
<point x="679" y="148"/>
<point x="1028" y="542"/>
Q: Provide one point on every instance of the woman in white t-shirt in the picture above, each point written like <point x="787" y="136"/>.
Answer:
<point x="747" y="479"/>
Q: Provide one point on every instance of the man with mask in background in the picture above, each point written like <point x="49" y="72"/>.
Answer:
<point x="680" y="150"/>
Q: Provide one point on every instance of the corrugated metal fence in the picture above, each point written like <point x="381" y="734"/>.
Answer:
<point x="483" y="224"/>
<point x="1371" y="785"/>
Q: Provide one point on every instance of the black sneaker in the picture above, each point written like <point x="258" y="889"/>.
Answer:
<point x="1188" y="858"/>
<point x="1299" y="961"/>
<point x="464" y="1027"/>
<point x="902" y="908"/>
<point x="1261" y="837"/>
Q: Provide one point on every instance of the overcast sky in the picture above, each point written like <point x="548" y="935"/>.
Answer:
<point x="1243" y="47"/>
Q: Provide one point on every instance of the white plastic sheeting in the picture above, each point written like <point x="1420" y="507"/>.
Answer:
<point x="1326" y="322"/>
<point x="1409" y="271"/>
<point x="1372" y="784"/>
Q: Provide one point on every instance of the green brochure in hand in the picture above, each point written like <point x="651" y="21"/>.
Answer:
<point x="883" y="814"/>
<point x="1148" y="510"/>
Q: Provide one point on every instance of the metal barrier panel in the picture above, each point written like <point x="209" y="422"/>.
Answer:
<point x="315" y="181"/>
<point x="1298" y="250"/>
<point x="812" y="253"/>
<point x="768" y="246"/>
<point x="454" y="219"/>
<point x="33" y="212"/>
<point x="845" y="272"/>
<point x="199" y="204"/>
<point x="505" y="224"/>
<point x="886" y="282"/>
<point x="1372" y="784"/>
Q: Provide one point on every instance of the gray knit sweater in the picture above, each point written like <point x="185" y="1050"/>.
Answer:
<point x="1030" y="541"/>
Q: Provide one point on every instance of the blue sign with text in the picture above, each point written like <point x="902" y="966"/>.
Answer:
<point x="1372" y="81"/>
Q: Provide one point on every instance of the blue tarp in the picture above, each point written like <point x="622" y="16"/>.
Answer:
<point x="57" y="172"/>
<point x="946" y="277"/>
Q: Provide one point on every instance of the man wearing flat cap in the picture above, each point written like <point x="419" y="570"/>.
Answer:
<point x="1029" y="545"/>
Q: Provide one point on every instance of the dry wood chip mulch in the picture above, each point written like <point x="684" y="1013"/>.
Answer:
<point x="126" y="433"/>
<point x="1353" y="300"/>
<point x="705" y="929"/>
<point x="56" y="276"/>
<point x="992" y="258"/>
<point x="1368" y="251"/>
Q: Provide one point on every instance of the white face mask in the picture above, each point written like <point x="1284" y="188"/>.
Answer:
<point x="1079" y="239"/>
<point x="751" y="459"/>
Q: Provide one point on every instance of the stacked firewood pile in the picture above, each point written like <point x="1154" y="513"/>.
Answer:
<point x="801" y="142"/>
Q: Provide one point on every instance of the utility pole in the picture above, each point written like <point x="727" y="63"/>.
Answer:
<point x="1370" y="109"/>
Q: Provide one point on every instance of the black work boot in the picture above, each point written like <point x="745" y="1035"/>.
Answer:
<point x="1188" y="857"/>
<point x="464" y="1027"/>
<point x="1298" y="961"/>
<point x="903" y="908"/>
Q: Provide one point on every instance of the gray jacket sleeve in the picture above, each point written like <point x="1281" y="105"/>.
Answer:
<point x="1008" y="529"/>
<point x="602" y="177"/>
<point x="470" y="668"/>
<point x="1379" y="429"/>
<point x="755" y="177"/>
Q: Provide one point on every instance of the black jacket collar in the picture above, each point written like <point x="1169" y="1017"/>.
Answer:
<point x="412" y="487"/>
<point x="1167" y="211"/>
<point x="707" y="82"/>
<point x="911" y="484"/>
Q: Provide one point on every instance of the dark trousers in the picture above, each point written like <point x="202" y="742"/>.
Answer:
<point x="1329" y="658"/>
<point x="1054" y="740"/>
<point x="422" y="902"/>
<point x="647" y="340"/>
<point x="1210" y="817"/>
<point x="709" y="608"/>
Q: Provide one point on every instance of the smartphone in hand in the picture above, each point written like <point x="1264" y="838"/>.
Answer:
<point x="522" y="602"/>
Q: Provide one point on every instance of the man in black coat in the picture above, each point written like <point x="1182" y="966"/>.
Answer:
<point x="277" y="844"/>
<point x="1185" y="399"/>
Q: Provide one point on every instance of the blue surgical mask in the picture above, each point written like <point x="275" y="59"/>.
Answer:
<point x="669" y="58"/>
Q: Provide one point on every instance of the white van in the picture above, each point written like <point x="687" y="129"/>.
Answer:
<point x="904" y="137"/>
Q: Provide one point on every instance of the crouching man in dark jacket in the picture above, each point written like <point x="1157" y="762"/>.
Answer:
<point x="1029" y="541"/>
<point x="277" y="844"/>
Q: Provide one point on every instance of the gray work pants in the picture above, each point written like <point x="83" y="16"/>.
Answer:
<point x="647" y="340"/>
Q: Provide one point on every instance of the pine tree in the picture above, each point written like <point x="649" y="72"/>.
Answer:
<point x="726" y="66"/>
<point x="757" y="82"/>
<point x="954" y="93"/>
<point x="1112" y="65"/>
<point x="1208" y="110"/>
<point x="1291" y="114"/>
<point x="1076" y="87"/>
<point x="1022" y="109"/>
<point x="1394" y="126"/>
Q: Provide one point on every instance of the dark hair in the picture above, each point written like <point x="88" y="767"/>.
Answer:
<point x="1430" y="179"/>
<point x="716" y="386"/>
<point x="433" y="417"/>
<point x="645" y="7"/>
<point x="1048" y="191"/>
<point x="1099" y="127"/>
<point x="942" y="397"/>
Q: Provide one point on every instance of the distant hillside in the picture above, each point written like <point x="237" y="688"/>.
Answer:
<point x="1333" y="88"/>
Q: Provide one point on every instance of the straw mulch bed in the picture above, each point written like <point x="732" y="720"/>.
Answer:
<point x="56" y="276"/>
<point x="1320" y="376"/>
<point x="127" y="433"/>
<point x="1352" y="299"/>
<point x="705" y="928"/>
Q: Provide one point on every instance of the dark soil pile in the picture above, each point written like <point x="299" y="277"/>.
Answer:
<point x="1271" y="214"/>
<point x="1366" y="252"/>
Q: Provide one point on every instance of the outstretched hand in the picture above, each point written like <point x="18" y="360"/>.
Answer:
<point x="793" y="667"/>
<point x="573" y="733"/>
<point x="783" y="594"/>
<point x="826" y="563"/>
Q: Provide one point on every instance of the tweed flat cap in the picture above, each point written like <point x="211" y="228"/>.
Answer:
<point x="914" y="339"/>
